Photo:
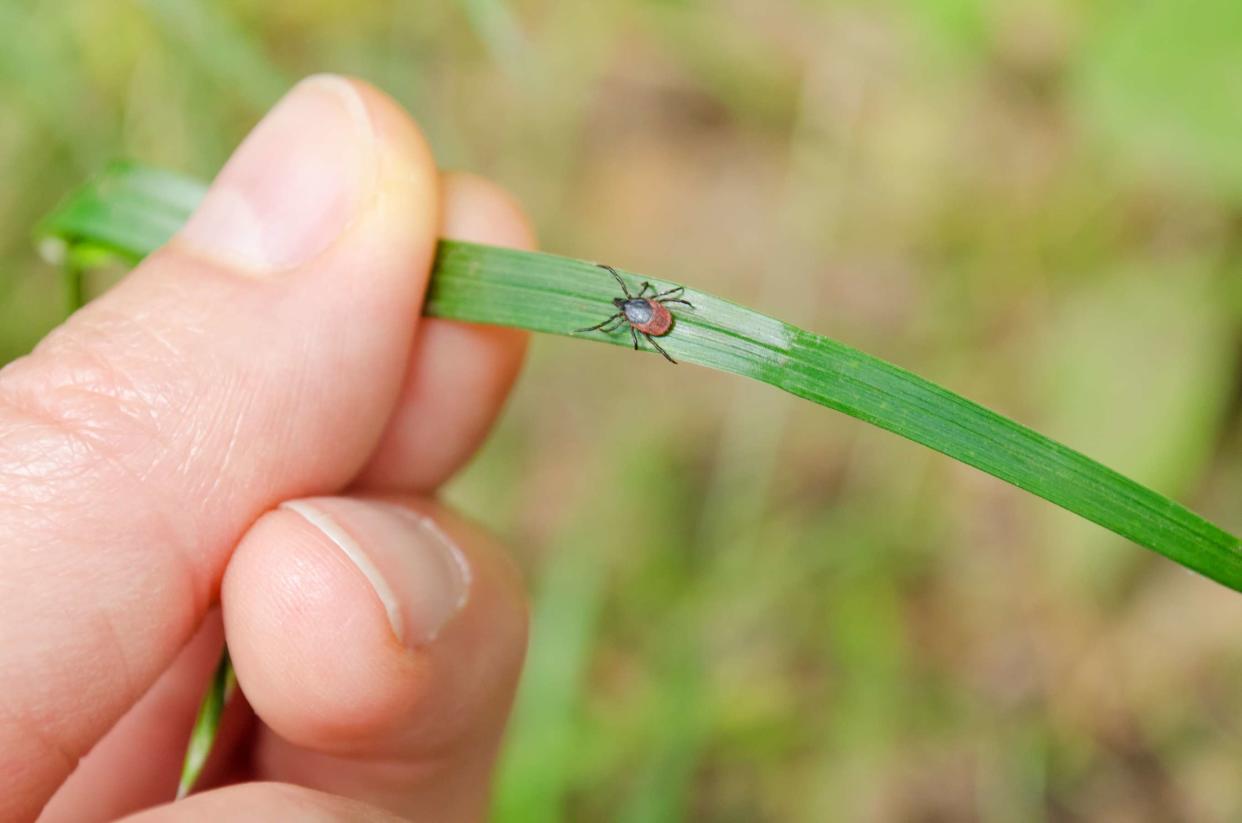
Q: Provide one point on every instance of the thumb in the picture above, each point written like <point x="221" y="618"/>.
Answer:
<point x="255" y="359"/>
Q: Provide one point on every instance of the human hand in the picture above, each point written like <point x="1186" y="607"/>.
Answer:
<point x="259" y="413"/>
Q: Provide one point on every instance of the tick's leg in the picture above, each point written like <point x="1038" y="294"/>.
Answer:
<point x="598" y="325"/>
<point x="643" y="290"/>
<point x="670" y="291"/>
<point x="617" y="323"/>
<point x="668" y="300"/>
<point x="634" y="334"/>
<point x="652" y="341"/>
<point x="613" y="272"/>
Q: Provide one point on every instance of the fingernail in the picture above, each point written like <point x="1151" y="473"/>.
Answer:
<point x="421" y="578"/>
<point x="293" y="185"/>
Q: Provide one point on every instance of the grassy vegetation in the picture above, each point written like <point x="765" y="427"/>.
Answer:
<point x="825" y="622"/>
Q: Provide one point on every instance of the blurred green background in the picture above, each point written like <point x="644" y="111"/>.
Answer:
<point x="1037" y="203"/>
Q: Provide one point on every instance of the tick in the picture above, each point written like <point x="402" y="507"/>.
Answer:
<point x="647" y="315"/>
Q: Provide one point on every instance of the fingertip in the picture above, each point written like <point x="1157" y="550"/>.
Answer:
<point x="363" y="627"/>
<point x="409" y="166"/>
<point x="311" y="177"/>
<point x="309" y="638"/>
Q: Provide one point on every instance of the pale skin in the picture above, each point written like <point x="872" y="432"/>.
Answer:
<point x="254" y="424"/>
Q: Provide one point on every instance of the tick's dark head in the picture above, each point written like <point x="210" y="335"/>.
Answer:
<point x="619" y="302"/>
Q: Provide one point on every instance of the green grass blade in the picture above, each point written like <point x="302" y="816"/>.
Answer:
<point x="207" y="724"/>
<point x="132" y="211"/>
<point x="128" y="211"/>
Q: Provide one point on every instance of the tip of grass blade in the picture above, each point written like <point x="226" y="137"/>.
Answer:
<point x="54" y="250"/>
<point x="207" y="724"/>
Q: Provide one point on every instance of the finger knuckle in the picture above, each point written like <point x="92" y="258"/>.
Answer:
<point x="79" y="432"/>
<point x="75" y="408"/>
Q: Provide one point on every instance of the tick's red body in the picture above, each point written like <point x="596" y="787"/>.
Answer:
<point x="661" y="319"/>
